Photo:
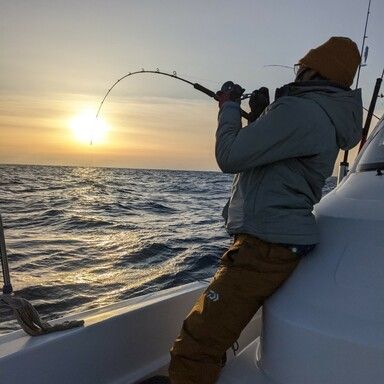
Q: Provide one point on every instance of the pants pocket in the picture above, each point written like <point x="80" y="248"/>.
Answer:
<point x="228" y="257"/>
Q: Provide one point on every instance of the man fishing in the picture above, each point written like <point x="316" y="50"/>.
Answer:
<point x="281" y="161"/>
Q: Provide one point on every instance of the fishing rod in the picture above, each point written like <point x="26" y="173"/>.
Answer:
<point x="344" y="165"/>
<point x="371" y="109"/>
<point x="363" y="43"/>
<point x="173" y="75"/>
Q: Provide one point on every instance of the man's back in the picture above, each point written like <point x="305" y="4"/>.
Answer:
<point x="283" y="159"/>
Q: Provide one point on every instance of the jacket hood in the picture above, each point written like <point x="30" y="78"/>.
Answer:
<point x="342" y="105"/>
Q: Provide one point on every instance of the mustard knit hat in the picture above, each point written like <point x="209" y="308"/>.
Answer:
<point x="336" y="60"/>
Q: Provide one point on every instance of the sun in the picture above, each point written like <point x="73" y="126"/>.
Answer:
<point x="87" y="129"/>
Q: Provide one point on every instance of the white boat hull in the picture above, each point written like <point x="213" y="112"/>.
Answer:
<point x="121" y="343"/>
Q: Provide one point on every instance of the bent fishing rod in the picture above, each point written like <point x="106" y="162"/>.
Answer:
<point x="197" y="86"/>
<point x="173" y="75"/>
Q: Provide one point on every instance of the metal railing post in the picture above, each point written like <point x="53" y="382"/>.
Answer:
<point x="7" y="288"/>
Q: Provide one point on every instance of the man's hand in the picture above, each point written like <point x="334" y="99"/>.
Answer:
<point x="229" y="92"/>
<point x="258" y="101"/>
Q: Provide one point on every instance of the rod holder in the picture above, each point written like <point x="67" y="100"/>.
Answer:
<point x="343" y="170"/>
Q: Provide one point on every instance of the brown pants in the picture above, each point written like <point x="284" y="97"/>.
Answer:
<point x="250" y="271"/>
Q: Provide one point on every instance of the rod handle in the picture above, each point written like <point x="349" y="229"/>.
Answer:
<point x="207" y="91"/>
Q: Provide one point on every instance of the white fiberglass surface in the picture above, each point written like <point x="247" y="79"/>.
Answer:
<point x="372" y="155"/>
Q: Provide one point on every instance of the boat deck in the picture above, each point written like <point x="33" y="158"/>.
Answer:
<point x="244" y="366"/>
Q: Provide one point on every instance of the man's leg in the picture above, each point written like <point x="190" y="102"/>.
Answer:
<point x="250" y="271"/>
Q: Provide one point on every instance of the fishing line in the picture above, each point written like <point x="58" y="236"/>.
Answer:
<point x="288" y="67"/>
<point x="278" y="65"/>
<point x="374" y="115"/>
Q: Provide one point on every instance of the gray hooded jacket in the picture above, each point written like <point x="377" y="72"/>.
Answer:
<point x="282" y="159"/>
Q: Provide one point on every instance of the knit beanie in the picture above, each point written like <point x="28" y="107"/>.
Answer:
<point x="336" y="60"/>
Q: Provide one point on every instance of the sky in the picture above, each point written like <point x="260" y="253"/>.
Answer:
<point x="59" y="58"/>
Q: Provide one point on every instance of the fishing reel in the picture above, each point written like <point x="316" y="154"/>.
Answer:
<point x="237" y="92"/>
<point x="234" y="91"/>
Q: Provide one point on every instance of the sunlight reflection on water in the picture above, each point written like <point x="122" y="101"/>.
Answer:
<point x="79" y="238"/>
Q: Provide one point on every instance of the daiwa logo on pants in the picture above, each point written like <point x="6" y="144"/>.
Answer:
<point x="212" y="295"/>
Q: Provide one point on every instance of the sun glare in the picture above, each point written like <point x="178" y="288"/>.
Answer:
<point x="87" y="129"/>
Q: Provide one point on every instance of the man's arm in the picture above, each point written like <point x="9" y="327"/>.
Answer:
<point x="285" y="131"/>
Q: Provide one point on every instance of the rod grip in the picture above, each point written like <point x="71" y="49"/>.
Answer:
<point x="204" y="90"/>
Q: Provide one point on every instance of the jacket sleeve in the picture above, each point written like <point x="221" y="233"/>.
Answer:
<point x="285" y="131"/>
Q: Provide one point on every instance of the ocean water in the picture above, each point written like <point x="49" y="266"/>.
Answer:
<point x="80" y="238"/>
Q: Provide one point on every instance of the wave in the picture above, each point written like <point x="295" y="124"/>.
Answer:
<point x="78" y="237"/>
